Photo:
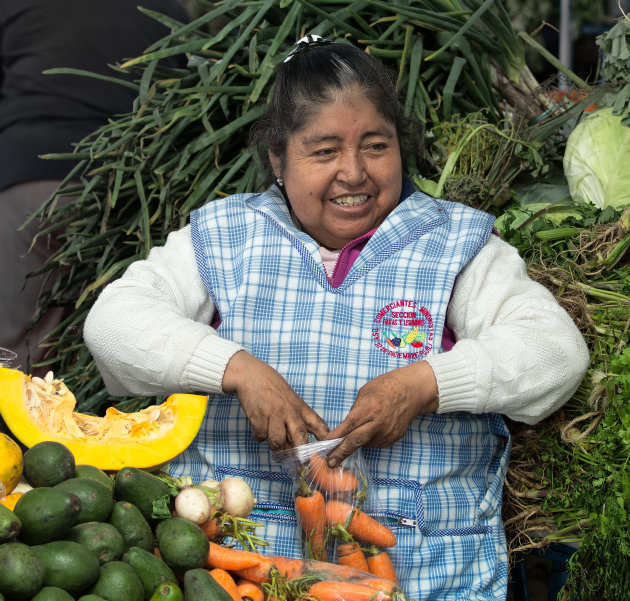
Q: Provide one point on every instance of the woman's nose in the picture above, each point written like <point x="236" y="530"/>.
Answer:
<point x="351" y="168"/>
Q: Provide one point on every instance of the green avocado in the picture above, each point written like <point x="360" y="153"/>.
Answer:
<point x="134" y="528"/>
<point x="143" y="489"/>
<point x="182" y="543"/>
<point x="97" y="501"/>
<point x="10" y="524"/>
<point x="68" y="565"/>
<point x="90" y="471"/>
<point x="21" y="571"/>
<point x="118" y="581"/>
<point x="47" y="463"/>
<point x="200" y="586"/>
<point x="151" y="570"/>
<point x="103" y="539"/>
<point x="46" y="514"/>
<point x="52" y="593"/>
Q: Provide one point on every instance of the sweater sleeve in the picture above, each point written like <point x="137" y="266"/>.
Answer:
<point x="149" y="331"/>
<point x="518" y="352"/>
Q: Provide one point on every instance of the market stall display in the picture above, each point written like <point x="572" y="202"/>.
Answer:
<point x="494" y="138"/>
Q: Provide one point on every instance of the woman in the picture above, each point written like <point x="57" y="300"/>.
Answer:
<point x="332" y="294"/>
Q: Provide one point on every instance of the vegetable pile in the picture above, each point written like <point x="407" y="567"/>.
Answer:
<point x="569" y="479"/>
<point x="493" y="138"/>
<point x="77" y="532"/>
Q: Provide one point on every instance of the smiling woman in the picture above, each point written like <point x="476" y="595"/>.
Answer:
<point x="342" y="171"/>
<point x="324" y="307"/>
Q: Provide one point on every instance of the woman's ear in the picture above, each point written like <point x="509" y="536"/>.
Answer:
<point x="276" y="164"/>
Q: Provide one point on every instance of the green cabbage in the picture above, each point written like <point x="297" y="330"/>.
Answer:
<point x="597" y="161"/>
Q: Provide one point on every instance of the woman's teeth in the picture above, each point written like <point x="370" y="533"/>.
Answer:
<point x="350" y="201"/>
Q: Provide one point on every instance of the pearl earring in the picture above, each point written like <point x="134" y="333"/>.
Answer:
<point x="280" y="182"/>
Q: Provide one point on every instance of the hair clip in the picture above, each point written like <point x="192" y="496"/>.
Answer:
<point x="307" y="41"/>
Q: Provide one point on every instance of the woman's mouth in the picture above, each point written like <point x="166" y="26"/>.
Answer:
<point x="350" y="201"/>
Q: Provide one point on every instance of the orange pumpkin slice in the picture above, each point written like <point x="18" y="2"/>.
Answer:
<point x="37" y="409"/>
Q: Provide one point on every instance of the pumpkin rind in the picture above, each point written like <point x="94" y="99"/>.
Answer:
<point x="113" y="454"/>
<point x="11" y="464"/>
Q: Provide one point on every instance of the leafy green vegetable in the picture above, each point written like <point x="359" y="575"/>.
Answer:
<point x="597" y="160"/>
<point x="615" y="48"/>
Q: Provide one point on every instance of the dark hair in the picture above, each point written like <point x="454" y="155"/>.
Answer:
<point x="310" y="79"/>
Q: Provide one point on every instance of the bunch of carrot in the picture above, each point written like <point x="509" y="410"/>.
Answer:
<point x="251" y="576"/>
<point x="329" y="504"/>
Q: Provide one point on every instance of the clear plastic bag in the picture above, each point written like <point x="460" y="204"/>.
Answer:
<point x="341" y="520"/>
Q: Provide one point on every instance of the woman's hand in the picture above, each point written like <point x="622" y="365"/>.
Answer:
<point x="384" y="408"/>
<point x="276" y="413"/>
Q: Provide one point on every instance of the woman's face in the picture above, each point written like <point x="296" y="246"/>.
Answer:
<point x="343" y="171"/>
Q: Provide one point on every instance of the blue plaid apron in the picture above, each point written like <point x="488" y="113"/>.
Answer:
<point x="440" y="486"/>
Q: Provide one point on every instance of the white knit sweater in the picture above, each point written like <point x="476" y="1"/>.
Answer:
<point x="518" y="352"/>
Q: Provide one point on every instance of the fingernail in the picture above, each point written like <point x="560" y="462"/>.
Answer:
<point x="333" y="463"/>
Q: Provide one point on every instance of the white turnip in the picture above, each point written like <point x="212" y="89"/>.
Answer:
<point x="237" y="496"/>
<point x="193" y="504"/>
<point x="231" y="495"/>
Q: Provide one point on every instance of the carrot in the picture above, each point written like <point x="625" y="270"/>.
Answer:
<point x="380" y="564"/>
<point x="212" y="528"/>
<point x="349" y="553"/>
<point x="289" y="567"/>
<point x="249" y="591"/>
<point x="326" y="590"/>
<point x="228" y="558"/>
<point x="380" y="584"/>
<point x="225" y="580"/>
<point x="332" y="571"/>
<point x="358" y="523"/>
<point x="331" y="481"/>
<point x="261" y="572"/>
<point x="310" y="510"/>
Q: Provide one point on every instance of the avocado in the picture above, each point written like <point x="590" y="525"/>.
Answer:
<point x="91" y="471"/>
<point x="151" y="570"/>
<point x="169" y="591"/>
<point x="103" y="539"/>
<point x="10" y="524"/>
<point x="52" y="593"/>
<point x="118" y="581"/>
<point x="182" y="543"/>
<point x="134" y="528"/>
<point x="46" y="514"/>
<point x="47" y="463"/>
<point x="90" y="597"/>
<point x="143" y="489"/>
<point x="97" y="501"/>
<point x="21" y="571"/>
<point x="200" y="586"/>
<point x="68" y="565"/>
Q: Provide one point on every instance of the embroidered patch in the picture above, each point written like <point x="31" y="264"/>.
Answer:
<point x="403" y="329"/>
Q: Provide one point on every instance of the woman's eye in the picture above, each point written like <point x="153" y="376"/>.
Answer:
<point x="378" y="146"/>
<point x="323" y="152"/>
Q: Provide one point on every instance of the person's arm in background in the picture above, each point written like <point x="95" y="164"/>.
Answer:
<point x="517" y="353"/>
<point x="149" y="335"/>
